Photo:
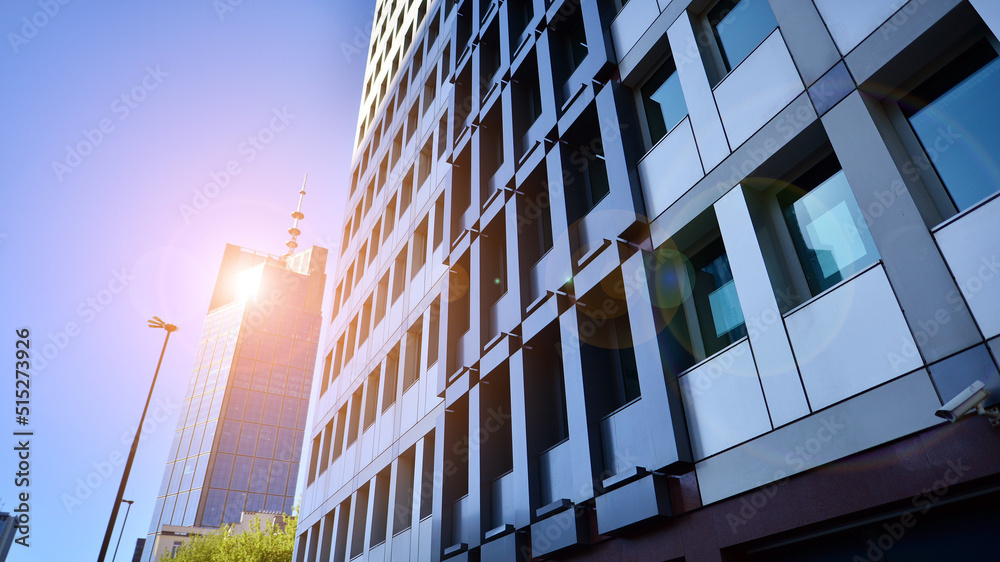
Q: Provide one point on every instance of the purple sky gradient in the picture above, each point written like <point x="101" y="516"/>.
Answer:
<point x="102" y="239"/>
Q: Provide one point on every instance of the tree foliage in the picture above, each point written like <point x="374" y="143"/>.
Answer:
<point x="270" y="544"/>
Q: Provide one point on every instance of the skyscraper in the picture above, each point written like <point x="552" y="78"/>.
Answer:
<point x="665" y="280"/>
<point x="239" y="433"/>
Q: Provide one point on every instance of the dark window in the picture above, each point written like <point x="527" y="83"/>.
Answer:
<point x="955" y="118"/>
<point x="739" y="26"/>
<point x="663" y="101"/>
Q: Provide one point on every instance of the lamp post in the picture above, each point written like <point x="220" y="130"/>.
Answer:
<point x="155" y="322"/>
<point x="124" y="521"/>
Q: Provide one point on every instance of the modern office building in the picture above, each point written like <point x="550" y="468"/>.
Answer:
<point x="240" y="430"/>
<point x="665" y="280"/>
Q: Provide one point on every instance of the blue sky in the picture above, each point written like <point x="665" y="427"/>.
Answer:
<point x="115" y="117"/>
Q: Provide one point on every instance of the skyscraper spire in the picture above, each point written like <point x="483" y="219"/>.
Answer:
<point x="297" y="215"/>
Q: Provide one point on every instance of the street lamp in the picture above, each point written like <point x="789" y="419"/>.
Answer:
<point x="124" y="521"/>
<point x="155" y="322"/>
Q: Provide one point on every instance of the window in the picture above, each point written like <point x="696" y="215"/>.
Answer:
<point x="438" y="221"/>
<point x="433" y="331"/>
<point x="693" y="286"/>
<point x="391" y="374"/>
<point x="419" y="248"/>
<point x="411" y="370"/>
<point x="610" y="371"/>
<point x="954" y="117"/>
<point x="398" y="279"/>
<point x="442" y="137"/>
<point x="585" y="175"/>
<point x="826" y="226"/>
<point x="663" y="105"/>
<point x="519" y="13"/>
<point x="739" y="26"/>
<point x="371" y="399"/>
<point x="327" y="364"/>
<point x="720" y="318"/>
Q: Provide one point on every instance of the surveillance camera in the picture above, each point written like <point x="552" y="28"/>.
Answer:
<point x="968" y="400"/>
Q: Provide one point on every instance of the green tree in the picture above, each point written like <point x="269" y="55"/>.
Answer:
<point x="273" y="543"/>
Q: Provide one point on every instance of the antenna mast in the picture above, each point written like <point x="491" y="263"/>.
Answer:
<point x="294" y="231"/>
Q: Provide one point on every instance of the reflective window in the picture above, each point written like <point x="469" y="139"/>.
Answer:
<point x="739" y="26"/>
<point x="241" y="473"/>
<point x="826" y="226"/>
<point x="214" y="505"/>
<point x="221" y="471"/>
<point x="955" y="117"/>
<point x="234" y="507"/>
<point x="663" y="101"/>
<point x="720" y="317"/>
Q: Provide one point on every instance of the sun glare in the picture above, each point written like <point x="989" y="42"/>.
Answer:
<point x="248" y="283"/>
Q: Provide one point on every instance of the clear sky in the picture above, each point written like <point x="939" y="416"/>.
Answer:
<point x="101" y="225"/>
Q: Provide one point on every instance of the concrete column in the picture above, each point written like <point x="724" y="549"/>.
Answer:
<point x="806" y="37"/>
<point x="916" y="270"/>
<point x="586" y="465"/>
<point x="708" y="132"/>
<point x="779" y="375"/>
<point x="661" y="401"/>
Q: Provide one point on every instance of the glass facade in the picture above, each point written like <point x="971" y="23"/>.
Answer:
<point x="189" y="456"/>
<point x="241" y="427"/>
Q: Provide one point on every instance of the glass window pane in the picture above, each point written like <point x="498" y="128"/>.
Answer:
<point x="213" y="508"/>
<point x="266" y="440"/>
<point x="178" y="517"/>
<point x="960" y="130"/>
<point x="248" y="438"/>
<point x="237" y="403"/>
<point x="234" y="507"/>
<point x="830" y="234"/>
<point x="199" y="473"/>
<point x="720" y="317"/>
<point x="192" y="508"/>
<point x="663" y="101"/>
<point x="741" y="25"/>
<point x="275" y="503"/>
<point x="278" y="478"/>
<point x="259" y="477"/>
<point x="255" y="407"/>
<point x="221" y="471"/>
<point x="188" y="474"/>
<point x="286" y="444"/>
<point x="168" y="510"/>
<point x="255" y="502"/>
<point x="241" y="473"/>
<point x="230" y="433"/>
<point x="290" y="411"/>
<point x="166" y="479"/>
<point x="272" y="411"/>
